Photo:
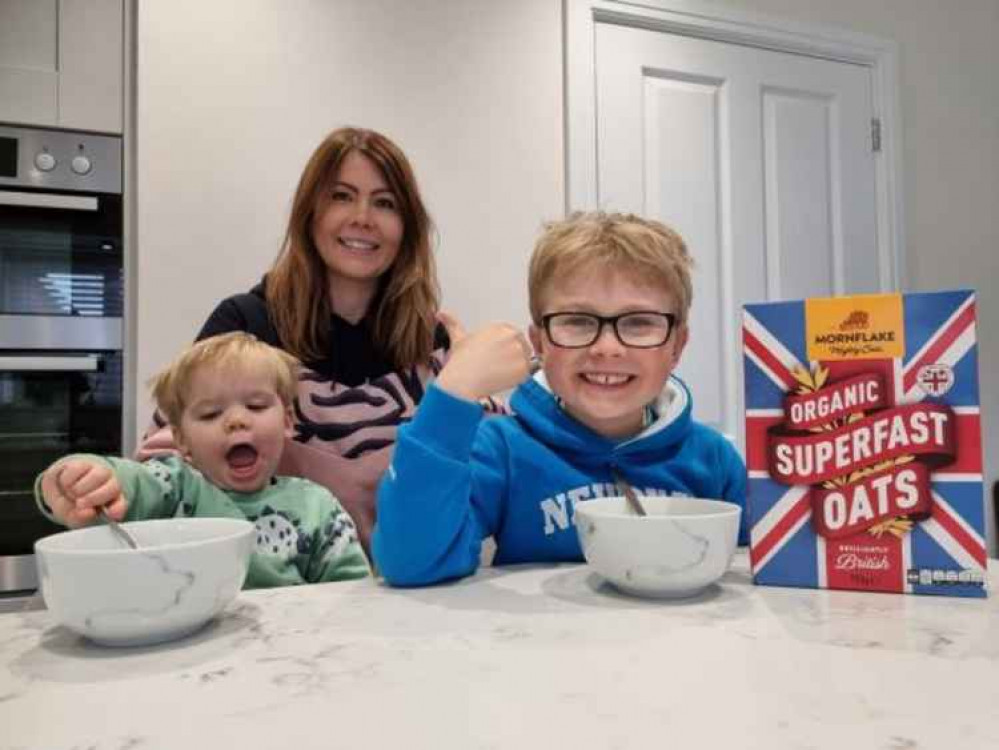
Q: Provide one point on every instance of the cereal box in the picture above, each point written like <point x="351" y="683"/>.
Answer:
<point x="863" y="442"/>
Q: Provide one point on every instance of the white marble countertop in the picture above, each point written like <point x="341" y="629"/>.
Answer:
<point x="523" y="657"/>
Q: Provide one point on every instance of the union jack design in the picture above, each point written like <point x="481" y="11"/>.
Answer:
<point x="943" y="550"/>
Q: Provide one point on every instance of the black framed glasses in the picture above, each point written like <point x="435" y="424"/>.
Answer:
<point x="642" y="329"/>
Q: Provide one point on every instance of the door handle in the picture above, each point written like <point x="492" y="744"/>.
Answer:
<point x="48" y="200"/>
<point x="87" y="363"/>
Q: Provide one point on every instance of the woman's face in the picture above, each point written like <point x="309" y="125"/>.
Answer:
<point x="358" y="226"/>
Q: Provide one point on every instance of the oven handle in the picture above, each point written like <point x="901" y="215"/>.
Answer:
<point x="87" y="363"/>
<point x="48" y="200"/>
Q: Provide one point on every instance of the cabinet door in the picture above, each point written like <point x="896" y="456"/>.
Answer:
<point x="62" y="63"/>
<point x="29" y="76"/>
<point x="91" y="44"/>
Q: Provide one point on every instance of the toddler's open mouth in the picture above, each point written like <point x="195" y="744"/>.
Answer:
<point x="241" y="457"/>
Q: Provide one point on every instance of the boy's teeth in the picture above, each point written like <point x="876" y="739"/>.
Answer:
<point x="604" y="379"/>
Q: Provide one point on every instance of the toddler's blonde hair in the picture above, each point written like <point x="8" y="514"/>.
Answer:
<point x="646" y="249"/>
<point x="171" y="388"/>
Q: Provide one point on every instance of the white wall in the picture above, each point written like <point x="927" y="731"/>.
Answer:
<point x="233" y="96"/>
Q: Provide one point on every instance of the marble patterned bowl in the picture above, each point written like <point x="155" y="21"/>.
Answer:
<point x="682" y="546"/>
<point x="184" y="573"/>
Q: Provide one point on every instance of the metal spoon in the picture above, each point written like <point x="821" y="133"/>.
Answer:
<point x="118" y="530"/>
<point x="633" y="502"/>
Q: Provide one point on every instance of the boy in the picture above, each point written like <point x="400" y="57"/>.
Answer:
<point x="228" y="399"/>
<point x="609" y="296"/>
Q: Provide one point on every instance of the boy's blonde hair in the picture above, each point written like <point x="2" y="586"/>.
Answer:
<point x="647" y="249"/>
<point x="171" y="388"/>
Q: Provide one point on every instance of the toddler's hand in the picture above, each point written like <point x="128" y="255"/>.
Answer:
<point x="75" y="489"/>
<point x="492" y="359"/>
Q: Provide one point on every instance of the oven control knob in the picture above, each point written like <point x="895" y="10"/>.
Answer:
<point x="81" y="164"/>
<point x="45" y="161"/>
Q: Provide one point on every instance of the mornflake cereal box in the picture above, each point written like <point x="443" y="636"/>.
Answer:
<point x="863" y="442"/>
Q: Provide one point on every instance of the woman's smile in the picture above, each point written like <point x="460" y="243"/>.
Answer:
<point x="359" y="245"/>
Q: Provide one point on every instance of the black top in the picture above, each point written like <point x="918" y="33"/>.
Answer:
<point x="353" y="358"/>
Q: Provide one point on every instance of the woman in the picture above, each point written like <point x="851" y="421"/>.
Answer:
<point x="353" y="295"/>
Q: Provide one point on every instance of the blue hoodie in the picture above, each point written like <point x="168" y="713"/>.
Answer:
<point x="457" y="478"/>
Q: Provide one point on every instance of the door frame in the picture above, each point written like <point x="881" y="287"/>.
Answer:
<point x="696" y="19"/>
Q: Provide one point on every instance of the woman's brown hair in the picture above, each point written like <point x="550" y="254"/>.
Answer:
<point x="407" y="300"/>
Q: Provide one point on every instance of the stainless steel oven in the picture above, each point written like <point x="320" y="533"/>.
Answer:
<point x="61" y="303"/>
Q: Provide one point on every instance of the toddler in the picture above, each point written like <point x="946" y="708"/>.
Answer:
<point x="228" y="399"/>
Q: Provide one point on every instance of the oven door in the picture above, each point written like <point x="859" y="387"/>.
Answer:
<point x="51" y="404"/>
<point x="60" y="254"/>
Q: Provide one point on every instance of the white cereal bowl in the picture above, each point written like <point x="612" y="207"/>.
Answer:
<point x="185" y="572"/>
<point x="682" y="546"/>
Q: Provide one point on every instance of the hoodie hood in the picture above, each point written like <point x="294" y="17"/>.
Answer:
<point x="259" y="289"/>
<point x="538" y="410"/>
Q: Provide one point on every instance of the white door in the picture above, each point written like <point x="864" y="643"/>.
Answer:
<point x="761" y="159"/>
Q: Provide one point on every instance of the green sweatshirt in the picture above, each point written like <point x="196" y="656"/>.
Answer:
<point x="303" y="535"/>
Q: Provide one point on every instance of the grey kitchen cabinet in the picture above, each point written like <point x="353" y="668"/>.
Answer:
<point x="62" y="63"/>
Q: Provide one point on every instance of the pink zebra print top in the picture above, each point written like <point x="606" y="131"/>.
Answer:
<point x="344" y="435"/>
<point x="347" y="411"/>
